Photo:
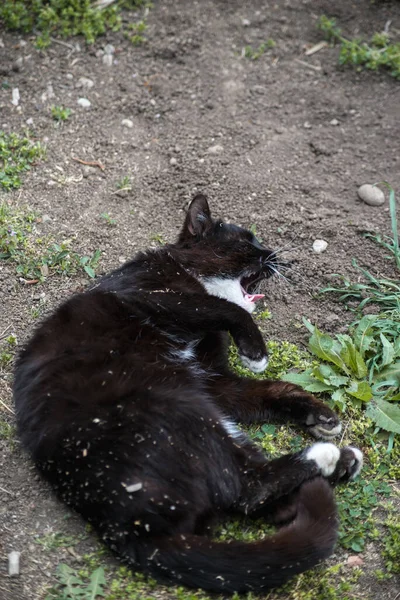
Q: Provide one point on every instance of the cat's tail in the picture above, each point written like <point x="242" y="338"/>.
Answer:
<point x="236" y="566"/>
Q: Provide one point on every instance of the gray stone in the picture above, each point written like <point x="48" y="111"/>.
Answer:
<point x="108" y="60"/>
<point x="371" y="195"/>
<point x="217" y="149"/>
<point x="84" y="102"/>
<point x="84" y="82"/>
<point x="109" y="49"/>
<point x="319" y="246"/>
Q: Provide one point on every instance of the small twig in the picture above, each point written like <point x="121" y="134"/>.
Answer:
<point x="7" y="407"/>
<point x="309" y="65"/>
<point x="90" y="163"/>
<point x="3" y="333"/>
<point x="316" y="48"/>
<point x="6" y="491"/>
<point x="123" y="189"/>
<point x="386" y="30"/>
<point x="62" y="43"/>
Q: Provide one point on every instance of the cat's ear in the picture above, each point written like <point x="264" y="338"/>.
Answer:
<point x="198" y="219"/>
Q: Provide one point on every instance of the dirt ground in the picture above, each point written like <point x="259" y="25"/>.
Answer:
<point x="281" y="143"/>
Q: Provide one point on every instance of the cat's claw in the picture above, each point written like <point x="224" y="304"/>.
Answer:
<point x="257" y="366"/>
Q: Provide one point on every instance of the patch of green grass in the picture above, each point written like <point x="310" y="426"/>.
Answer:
<point x="158" y="238"/>
<point x="7" y="431"/>
<point x="60" y="113"/>
<point x="108" y="219"/>
<point x="124" y="183"/>
<point x="35" y="258"/>
<point x="378" y="53"/>
<point x="73" y="586"/>
<point x="134" y="32"/>
<point x="391" y="544"/>
<point x="7" y="351"/>
<point x="356" y="511"/>
<point x="264" y="315"/>
<point x="283" y="356"/>
<point x="17" y="154"/>
<point x="63" y="18"/>
<point x="255" y="54"/>
<point x="51" y="541"/>
<point x="322" y="583"/>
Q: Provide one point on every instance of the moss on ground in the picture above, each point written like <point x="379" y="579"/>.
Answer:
<point x="36" y="256"/>
<point x="68" y="18"/>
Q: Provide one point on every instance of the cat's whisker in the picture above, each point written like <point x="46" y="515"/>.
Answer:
<point x="279" y="273"/>
<point x="286" y="249"/>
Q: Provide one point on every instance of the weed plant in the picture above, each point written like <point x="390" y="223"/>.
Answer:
<point x="378" y="53"/>
<point x="64" y="18"/>
<point x="17" y="154"/>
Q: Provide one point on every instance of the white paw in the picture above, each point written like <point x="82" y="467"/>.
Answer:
<point x="359" y="458"/>
<point x="325" y="455"/>
<point x="257" y="366"/>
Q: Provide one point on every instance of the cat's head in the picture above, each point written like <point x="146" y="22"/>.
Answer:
<point x="229" y="260"/>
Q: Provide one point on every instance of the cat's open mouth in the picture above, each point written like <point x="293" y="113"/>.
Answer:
<point x="247" y="283"/>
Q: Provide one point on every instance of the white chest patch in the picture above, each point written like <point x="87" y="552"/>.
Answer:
<point x="229" y="289"/>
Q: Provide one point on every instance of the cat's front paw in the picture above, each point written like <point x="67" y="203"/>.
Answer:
<point x="337" y="465"/>
<point x="323" y="423"/>
<point x="255" y="365"/>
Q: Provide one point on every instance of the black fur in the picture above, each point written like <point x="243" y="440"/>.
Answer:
<point x="130" y="431"/>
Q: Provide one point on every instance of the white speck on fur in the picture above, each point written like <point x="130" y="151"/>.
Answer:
<point x="325" y="455"/>
<point x="133" y="487"/>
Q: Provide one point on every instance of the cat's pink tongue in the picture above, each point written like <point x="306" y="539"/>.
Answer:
<point x="254" y="297"/>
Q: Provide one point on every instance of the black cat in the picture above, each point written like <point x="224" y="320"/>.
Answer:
<point x="125" y="401"/>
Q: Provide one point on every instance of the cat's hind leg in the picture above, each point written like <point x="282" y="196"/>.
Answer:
<point x="272" y="487"/>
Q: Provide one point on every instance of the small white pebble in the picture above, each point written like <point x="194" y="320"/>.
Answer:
<point x="217" y="149"/>
<point x="108" y="60"/>
<point x="84" y="102"/>
<point x="13" y="563"/>
<point x="319" y="246"/>
<point x="109" y="49"/>
<point x="84" y="82"/>
<point x="334" y="122"/>
<point x="173" y="162"/>
<point x="371" y="195"/>
<point x="15" y="97"/>
<point x="127" y="123"/>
